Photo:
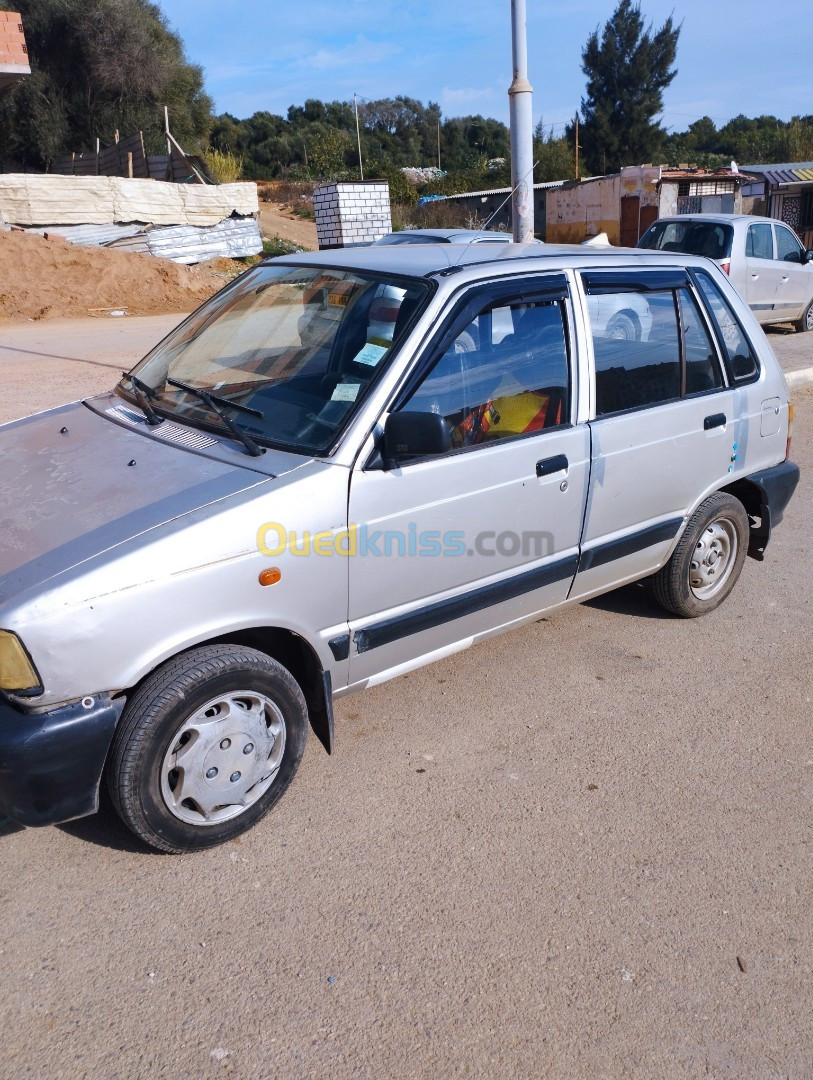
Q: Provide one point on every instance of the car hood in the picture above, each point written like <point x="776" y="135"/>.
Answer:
<point x="74" y="484"/>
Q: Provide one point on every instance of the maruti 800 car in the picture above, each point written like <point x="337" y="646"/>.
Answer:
<point x="344" y="466"/>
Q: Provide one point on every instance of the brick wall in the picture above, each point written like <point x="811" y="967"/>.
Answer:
<point x="14" y="62"/>
<point x="352" y="213"/>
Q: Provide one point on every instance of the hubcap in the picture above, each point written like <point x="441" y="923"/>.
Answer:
<point x="809" y="318"/>
<point x="223" y="758"/>
<point x="714" y="556"/>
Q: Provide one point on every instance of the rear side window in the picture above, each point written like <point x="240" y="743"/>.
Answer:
<point x="759" y="244"/>
<point x="666" y="356"/>
<point x="739" y="355"/>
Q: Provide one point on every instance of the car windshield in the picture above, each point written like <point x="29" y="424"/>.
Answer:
<point x="709" y="238"/>
<point x="287" y="353"/>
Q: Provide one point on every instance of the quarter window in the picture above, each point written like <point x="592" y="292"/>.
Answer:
<point x="739" y="356"/>
<point x="506" y="374"/>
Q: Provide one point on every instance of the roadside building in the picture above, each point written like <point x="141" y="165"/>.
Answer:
<point x="785" y="192"/>
<point x="624" y="205"/>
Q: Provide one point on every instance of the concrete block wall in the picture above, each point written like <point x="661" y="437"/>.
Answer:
<point x="349" y="214"/>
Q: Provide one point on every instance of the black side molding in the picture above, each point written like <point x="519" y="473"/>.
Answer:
<point x="628" y="545"/>
<point x="457" y="607"/>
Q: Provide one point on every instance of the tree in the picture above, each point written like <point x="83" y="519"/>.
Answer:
<point x="99" y="66"/>
<point x="628" y="67"/>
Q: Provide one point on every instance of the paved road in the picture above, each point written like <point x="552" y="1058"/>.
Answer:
<point x="582" y="850"/>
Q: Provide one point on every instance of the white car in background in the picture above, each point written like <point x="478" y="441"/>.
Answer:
<point x="764" y="258"/>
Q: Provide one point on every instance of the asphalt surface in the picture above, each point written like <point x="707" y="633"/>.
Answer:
<point x="581" y="850"/>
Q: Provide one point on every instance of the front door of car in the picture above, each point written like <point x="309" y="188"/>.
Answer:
<point x="794" y="289"/>
<point x="664" y="426"/>
<point x="453" y="545"/>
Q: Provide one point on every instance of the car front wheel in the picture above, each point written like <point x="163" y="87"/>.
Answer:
<point x="206" y="746"/>
<point x="707" y="561"/>
<point x="806" y="321"/>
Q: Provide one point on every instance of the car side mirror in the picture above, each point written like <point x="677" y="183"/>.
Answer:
<point x="415" y="434"/>
<point x="807" y="257"/>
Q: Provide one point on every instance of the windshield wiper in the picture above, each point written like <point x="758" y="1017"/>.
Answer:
<point x="214" y="402"/>
<point x="142" y="392"/>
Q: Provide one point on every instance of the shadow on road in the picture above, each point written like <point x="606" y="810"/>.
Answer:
<point x="632" y="600"/>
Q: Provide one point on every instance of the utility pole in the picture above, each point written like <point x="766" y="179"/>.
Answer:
<point x="438" y="144"/>
<point x="522" y="131"/>
<point x="358" y="134"/>
<point x="577" y="146"/>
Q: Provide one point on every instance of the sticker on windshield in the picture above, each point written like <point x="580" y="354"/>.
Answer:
<point x="371" y="354"/>
<point x="345" y="391"/>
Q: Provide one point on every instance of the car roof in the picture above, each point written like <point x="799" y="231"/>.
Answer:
<point x="460" y="236"/>
<point x="423" y="260"/>
<point x="719" y="219"/>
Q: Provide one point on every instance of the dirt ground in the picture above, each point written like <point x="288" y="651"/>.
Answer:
<point x="277" y="220"/>
<point x="51" y="279"/>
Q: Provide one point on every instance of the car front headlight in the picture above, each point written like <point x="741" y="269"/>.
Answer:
<point x="17" y="673"/>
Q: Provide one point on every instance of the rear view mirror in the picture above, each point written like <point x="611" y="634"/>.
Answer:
<point x="415" y="434"/>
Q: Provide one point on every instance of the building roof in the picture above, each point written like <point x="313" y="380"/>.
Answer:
<point x="504" y="190"/>
<point x="794" y="172"/>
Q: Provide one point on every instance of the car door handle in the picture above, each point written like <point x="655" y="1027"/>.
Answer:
<point x="551" y="465"/>
<point x="717" y="420"/>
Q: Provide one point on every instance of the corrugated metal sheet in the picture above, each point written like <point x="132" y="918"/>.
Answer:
<point x="88" y="235"/>
<point x="234" y="238"/>
<point x="791" y="172"/>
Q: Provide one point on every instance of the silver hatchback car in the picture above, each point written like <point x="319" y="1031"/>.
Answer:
<point x="309" y="488"/>
<point x="764" y="258"/>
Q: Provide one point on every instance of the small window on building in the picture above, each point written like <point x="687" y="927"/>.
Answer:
<point x="738" y="353"/>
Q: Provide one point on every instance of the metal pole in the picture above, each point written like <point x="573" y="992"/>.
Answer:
<point x="522" y="135"/>
<point x="358" y="135"/>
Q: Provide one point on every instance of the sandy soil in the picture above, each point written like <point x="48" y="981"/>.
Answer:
<point x="50" y="278"/>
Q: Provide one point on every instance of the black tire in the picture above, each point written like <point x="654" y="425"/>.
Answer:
<point x="707" y="561"/>
<point x="806" y="321"/>
<point x="239" y="721"/>
<point x="623" y="326"/>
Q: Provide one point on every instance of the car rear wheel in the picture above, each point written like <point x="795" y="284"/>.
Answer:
<point x="806" y="321"/>
<point x="205" y="748"/>
<point x="707" y="561"/>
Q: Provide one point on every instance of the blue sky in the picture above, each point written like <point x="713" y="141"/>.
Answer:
<point x="733" y="57"/>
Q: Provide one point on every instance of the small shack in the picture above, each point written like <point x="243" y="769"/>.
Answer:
<point x="624" y="205"/>
<point x="785" y="192"/>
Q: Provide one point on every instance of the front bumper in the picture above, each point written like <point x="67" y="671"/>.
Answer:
<point x="51" y="763"/>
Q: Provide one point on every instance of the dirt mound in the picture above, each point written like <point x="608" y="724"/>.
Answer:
<point x="50" y="278"/>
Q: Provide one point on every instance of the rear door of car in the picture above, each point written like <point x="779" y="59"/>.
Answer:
<point x="665" y="426"/>
<point x="453" y="546"/>
<point x="762" y="274"/>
